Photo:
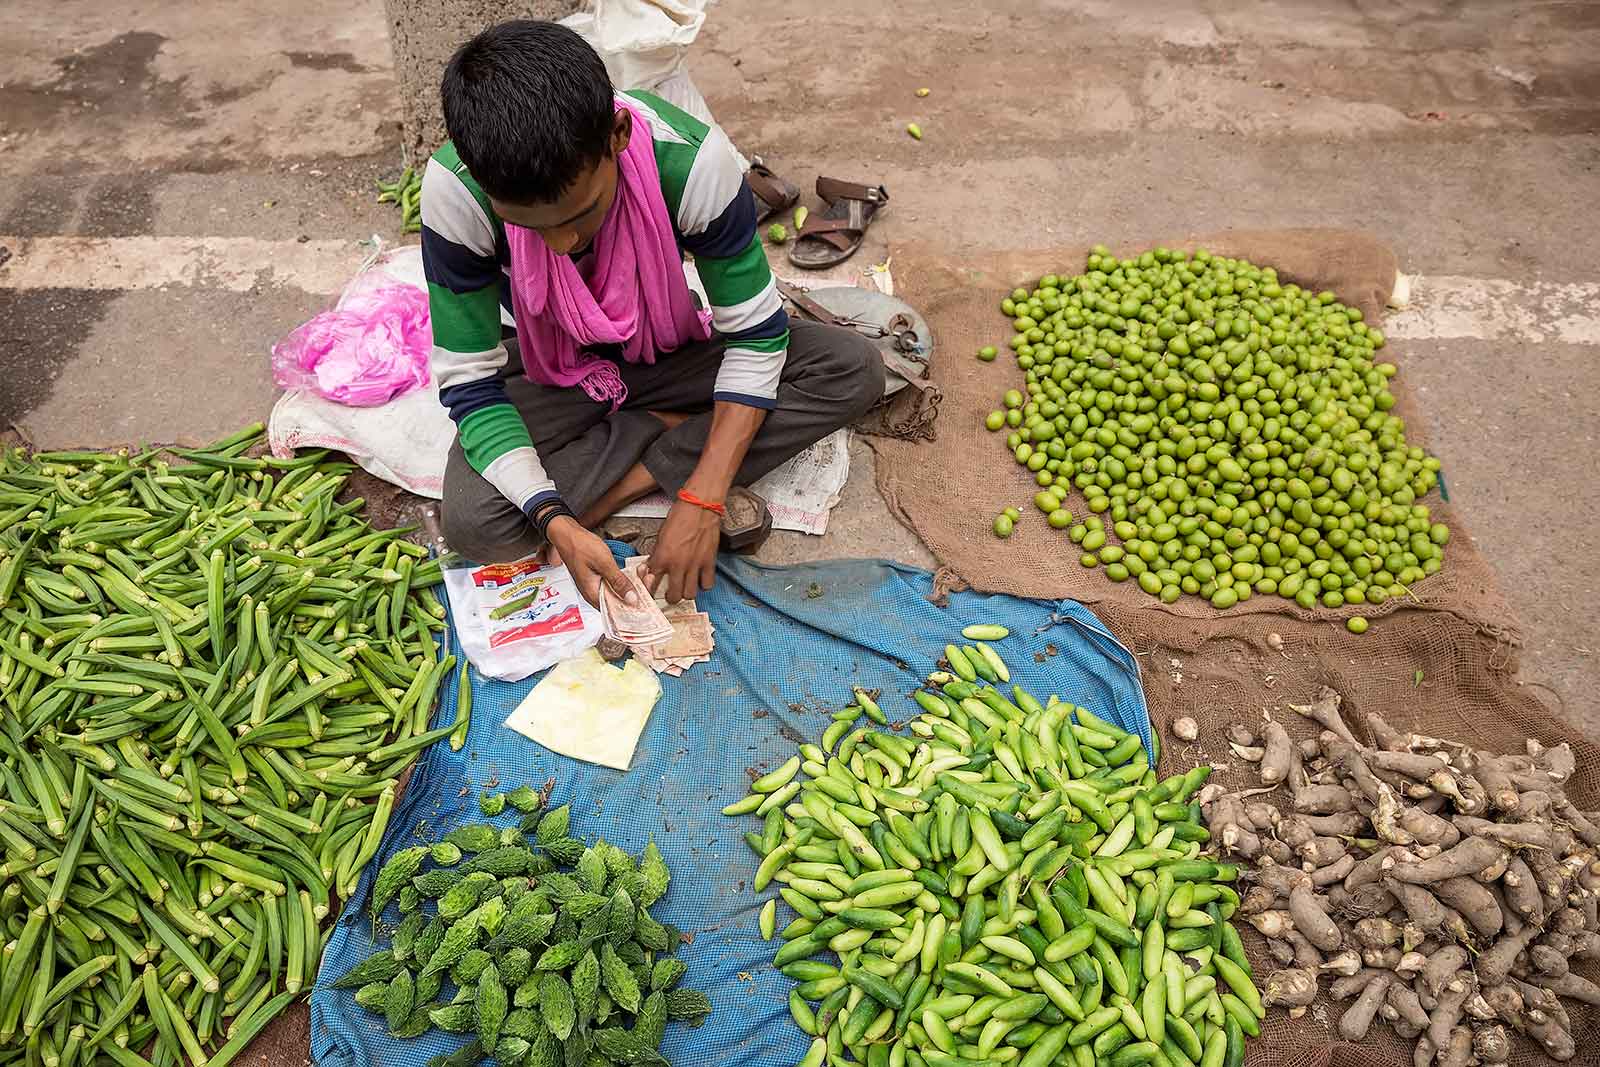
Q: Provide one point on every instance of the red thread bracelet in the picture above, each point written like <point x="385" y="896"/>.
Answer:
<point x="689" y="498"/>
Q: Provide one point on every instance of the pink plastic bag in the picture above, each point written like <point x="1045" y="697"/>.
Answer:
<point x="371" y="347"/>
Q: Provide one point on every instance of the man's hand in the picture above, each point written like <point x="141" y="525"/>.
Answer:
<point x="589" y="560"/>
<point x="686" y="548"/>
<point x="686" y="552"/>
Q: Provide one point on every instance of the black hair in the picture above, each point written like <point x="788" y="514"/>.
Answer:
<point x="530" y="108"/>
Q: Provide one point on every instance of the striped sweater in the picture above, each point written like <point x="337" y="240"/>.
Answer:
<point x="465" y="258"/>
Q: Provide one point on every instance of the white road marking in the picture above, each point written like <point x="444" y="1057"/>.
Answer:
<point x="1448" y="306"/>
<point x="231" y="264"/>
<point x="1438" y="306"/>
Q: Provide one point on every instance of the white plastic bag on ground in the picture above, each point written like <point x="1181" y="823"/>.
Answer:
<point x="590" y="710"/>
<point x="518" y="618"/>
<point x="645" y="44"/>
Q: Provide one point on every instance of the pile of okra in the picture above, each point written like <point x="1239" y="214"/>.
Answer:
<point x="1010" y="884"/>
<point x="212" y="671"/>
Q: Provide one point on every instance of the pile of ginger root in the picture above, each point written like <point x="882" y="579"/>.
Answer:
<point x="1448" y="890"/>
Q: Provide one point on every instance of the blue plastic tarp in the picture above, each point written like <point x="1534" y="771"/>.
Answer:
<point x="790" y="644"/>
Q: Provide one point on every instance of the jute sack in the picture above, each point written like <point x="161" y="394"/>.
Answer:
<point x="950" y="490"/>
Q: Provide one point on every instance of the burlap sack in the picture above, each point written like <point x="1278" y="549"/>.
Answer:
<point x="949" y="492"/>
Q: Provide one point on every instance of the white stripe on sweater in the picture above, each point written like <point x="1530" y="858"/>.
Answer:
<point x="750" y="373"/>
<point x="459" y="368"/>
<point x="714" y="180"/>
<point x="747" y="313"/>
<point x="450" y="210"/>
<point x="659" y="127"/>
<point x="518" y="475"/>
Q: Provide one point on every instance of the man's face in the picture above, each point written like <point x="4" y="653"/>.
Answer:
<point x="570" y="222"/>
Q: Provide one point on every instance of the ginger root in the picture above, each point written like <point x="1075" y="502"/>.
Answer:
<point x="1447" y="890"/>
<point x="1292" y="987"/>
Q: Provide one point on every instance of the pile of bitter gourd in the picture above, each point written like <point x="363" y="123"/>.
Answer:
<point x="549" y="945"/>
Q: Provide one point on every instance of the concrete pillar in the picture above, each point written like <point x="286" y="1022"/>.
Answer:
<point x="423" y="35"/>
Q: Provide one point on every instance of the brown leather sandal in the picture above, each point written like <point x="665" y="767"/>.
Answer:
<point x="833" y="235"/>
<point x="773" y="194"/>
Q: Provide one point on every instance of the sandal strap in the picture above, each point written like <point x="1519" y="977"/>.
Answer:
<point x="820" y="225"/>
<point x="832" y="189"/>
<point x="841" y="233"/>
<point x="770" y="189"/>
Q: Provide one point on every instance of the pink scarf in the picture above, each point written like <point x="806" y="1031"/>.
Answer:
<point x="636" y="297"/>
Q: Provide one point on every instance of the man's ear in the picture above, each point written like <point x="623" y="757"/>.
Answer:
<point x="621" y="131"/>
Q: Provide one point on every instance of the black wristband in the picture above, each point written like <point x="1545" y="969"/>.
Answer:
<point x="546" y="511"/>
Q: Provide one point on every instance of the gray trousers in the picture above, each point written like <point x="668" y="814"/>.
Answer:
<point x="832" y="376"/>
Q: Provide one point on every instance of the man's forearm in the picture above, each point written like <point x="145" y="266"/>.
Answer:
<point x="733" y="427"/>
<point x="685" y="556"/>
